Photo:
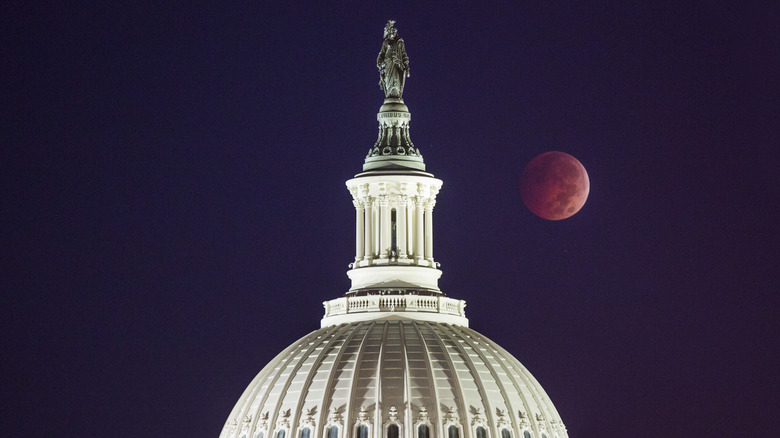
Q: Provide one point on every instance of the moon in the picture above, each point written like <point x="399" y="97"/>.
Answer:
<point x="554" y="185"/>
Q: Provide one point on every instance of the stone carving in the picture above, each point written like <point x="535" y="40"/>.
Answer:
<point x="393" y="414"/>
<point x="308" y="418"/>
<point x="423" y="416"/>
<point x="363" y="415"/>
<point x="283" y="422"/>
<point x="451" y="416"/>
<point x="502" y="420"/>
<point x="334" y="417"/>
<point x="523" y="419"/>
<point x="392" y="62"/>
<point x="263" y="421"/>
<point x="477" y="418"/>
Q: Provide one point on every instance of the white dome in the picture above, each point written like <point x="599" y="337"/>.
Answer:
<point x="401" y="372"/>
<point x="394" y="357"/>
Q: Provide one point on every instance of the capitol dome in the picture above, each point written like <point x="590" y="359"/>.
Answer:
<point x="394" y="356"/>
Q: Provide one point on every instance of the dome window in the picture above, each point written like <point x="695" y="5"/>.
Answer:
<point x="392" y="431"/>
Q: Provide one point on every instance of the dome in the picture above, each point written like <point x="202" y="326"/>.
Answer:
<point x="388" y="373"/>
<point x="394" y="357"/>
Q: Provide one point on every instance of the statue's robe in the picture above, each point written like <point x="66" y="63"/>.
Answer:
<point x="396" y="67"/>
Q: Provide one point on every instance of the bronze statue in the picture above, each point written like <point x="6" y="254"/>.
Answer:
<point x="392" y="62"/>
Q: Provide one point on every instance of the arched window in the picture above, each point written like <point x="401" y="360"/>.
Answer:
<point x="333" y="432"/>
<point x="481" y="433"/>
<point x="280" y="434"/>
<point x="526" y="434"/>
<point x="392" y="431"/>
<point x="452" y="432"/>
<point x="362" y="431"/>
<point x="260" y="434"/>
<point x="505" y="433"/>
<point x="305" y="432"/>
<point x="422" y="431"/>
<point x="544" y="435"/>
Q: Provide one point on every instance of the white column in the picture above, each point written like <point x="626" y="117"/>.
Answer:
<point x="410" y="228"/>
<point x="368" y="225"/>
<point x="400" y="223"/>
<point x="419" y="243"/>
<point x="359" y="230"/>
<point x="429" y="230"/>
<point x="384" y="228"/>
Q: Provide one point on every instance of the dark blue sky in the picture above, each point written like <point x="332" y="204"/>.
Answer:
<point x="174" y="210"/>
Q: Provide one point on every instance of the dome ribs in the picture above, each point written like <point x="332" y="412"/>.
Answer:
<point x="457" y="392"/>
<point x="348" y="411"/>
<point x="469" y="366"/>
<point x="306" y="390"/>
<point x="329" y="392"/>
<point x="298" y="360"/>
<point x="433" y="408"/>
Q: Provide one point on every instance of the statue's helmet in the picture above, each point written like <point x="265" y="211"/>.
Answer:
<point x="389" y="28"/>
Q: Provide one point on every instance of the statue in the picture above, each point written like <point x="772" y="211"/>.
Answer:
<point x="392" y="62"/>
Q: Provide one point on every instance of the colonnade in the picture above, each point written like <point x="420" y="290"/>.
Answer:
<point x="393" y="228"/>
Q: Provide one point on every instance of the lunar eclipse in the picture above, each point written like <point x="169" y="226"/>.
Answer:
<point x="554" y="185"/>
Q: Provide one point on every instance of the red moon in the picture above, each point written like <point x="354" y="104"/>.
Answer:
<point x="554" y="186"/>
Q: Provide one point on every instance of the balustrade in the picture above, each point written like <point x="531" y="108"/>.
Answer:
<point x="394" y="303"/>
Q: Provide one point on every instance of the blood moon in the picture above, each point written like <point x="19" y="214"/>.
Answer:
<point x="554" y="185"/>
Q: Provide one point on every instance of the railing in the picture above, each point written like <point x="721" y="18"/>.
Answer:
<point x="395" y="303"/>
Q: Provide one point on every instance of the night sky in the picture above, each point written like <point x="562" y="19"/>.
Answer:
<point x="174" y="210"/>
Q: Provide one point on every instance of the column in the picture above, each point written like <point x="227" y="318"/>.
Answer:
<point x="400" y="221"/>
<point x="384" y="228"/>
<point x="368" y="222"/>
<point x="429" y="230"/>
<point x="359" y="230"/>
<point x="419" y="243"/>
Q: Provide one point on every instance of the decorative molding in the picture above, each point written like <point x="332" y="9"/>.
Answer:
<point x="451" y="417"/>
<point x="363" y="416"/>
<point x="422" y="416"/>
<point x="392" y="415"/>
<point x="502" y="420"/>
<point x="308" y="418"/>
<point x="478" y="419"/>
<point x="523" y="417"/>
<point x="263" y="423"/>
<point x="283" y="422"/>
